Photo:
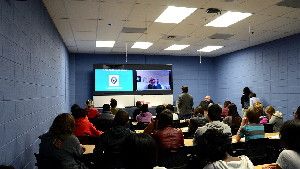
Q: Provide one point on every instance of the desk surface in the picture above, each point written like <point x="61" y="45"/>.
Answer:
<point x="267" y="135"/>
<point x="88" y="149"/>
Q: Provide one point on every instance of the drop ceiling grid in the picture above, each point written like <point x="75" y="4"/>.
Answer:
<point x="78" y="20"/>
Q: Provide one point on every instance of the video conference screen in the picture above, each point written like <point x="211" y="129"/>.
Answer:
<point x="133" y="79"/>
<point x="153" y="80"/>
<point x="113" y="80"/>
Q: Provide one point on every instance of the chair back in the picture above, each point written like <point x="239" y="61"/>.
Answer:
<point x="173" y="158"/>
<point x="257" y="150"/>
<point x="47" y="162"/>
<point x="88" y="140"/>
<point x="268" y="128"/>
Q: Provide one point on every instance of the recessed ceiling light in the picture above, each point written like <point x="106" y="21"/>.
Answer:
<point x="177" y="47"/>
<point x="174" y="14"/>
<point x="105" y="44"/>
<point x="228" y="19"/>
<point x="209" y="48"/>
<point x="142" y="45"/>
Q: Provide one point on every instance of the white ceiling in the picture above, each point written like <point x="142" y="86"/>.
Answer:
<point x="82" y="22"/>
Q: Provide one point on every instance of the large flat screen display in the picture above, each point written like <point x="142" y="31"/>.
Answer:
<point x="147" y="80"/>
<point x="113" y="80"/>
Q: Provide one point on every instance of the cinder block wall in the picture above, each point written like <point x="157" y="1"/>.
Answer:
<point x="271" y="70"/>
<point x="34" y="79"/>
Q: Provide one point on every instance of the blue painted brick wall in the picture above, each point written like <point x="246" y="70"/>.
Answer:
<point x="186" y="71"/>
<point x="34" y="79"/>
<point x="271" y="70"/>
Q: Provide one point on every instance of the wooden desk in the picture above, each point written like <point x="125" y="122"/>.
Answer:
<point x="88" y="149"/>
<point x="188" y="142"/>
<point x="267" y="135"/>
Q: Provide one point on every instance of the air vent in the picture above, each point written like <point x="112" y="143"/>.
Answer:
<point x="172" y="37"/>
<point x="290" y="3"/>
<point x="133" y="30"/>
<point x="220" y="36"/>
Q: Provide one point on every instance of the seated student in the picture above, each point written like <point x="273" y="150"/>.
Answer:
<point x="167" y="137"/>
<point x="113" y="105"/>
<point x="225" y="108"/>
<point x="275" y="118"/>
<point x="297" y="114"/>
<point x="137" y="111"/>
<point x="290" y="157"/>
<point x="110" y="143"/>
<point x="145" y="116"/>
<point x="197" y="120"/>
<point x="139" y="151"/>
<point x="106" y="113"/>
<point x="152" y="126"/>
<point x="250" y="127"/>
<point x="233" y="119"/>
<point x="171" y="108"/>
<point x="92" y="112"/>
<point x="216" y="147"/>
<point x="214" y="117"/>
<point x="60" y="144"/>
<point x="83" y="127"/>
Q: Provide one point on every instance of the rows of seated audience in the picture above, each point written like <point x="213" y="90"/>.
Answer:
<point x="211" y="127"/>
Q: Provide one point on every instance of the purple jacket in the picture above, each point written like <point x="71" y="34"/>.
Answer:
<point x="144" y="117"/>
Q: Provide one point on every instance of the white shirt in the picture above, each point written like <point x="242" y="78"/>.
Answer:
<point x="288" y="159"/>
<point x="244" y="163"/>
<point x="253" y="100"/>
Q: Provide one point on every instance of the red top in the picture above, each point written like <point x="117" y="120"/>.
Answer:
<point x="92" y="113"/>
<point x="83" y="127"/>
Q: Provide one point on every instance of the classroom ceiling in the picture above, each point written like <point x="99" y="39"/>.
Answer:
<point x="82" y="22"/>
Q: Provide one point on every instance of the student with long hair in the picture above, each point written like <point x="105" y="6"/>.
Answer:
<point x="60" y="144"/>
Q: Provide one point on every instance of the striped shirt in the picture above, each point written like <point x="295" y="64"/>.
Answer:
<point x="252" y="131"/>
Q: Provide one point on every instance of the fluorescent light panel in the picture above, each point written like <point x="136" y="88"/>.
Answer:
<point x="142" y="45"/>
<point x="210" y="48"/>
<point x="228" y="19"/>
<point x="105" y="44"/>
<point x="177" y="47"/>
<point x="174" y="14"/>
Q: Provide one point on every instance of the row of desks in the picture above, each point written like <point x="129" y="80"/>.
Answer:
<point x="89" y="149"/>
<point x="189" y="142"/>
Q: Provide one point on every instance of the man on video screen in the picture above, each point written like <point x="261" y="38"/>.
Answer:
<point x="154" y="84"/>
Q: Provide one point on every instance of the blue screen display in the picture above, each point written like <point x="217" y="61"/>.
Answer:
<point x="113" y="80"/>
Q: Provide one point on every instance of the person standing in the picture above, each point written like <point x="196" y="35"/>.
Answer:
<point x="245" y="99"/>
<point x="185" y="103"/>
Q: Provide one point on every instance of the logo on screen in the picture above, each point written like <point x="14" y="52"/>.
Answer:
<point x="113" y="80"/>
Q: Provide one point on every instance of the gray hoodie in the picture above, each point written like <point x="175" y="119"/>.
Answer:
<point x="277" y="121"/>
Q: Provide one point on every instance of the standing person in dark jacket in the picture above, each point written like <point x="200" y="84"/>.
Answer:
<point x="245" y="99"/>
<point x="185" y="103"/>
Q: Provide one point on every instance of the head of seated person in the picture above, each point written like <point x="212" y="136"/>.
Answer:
<point x="121" y="118"/>
<point x="140" y="151"/>
<point x="217" y="146"/>
<point x="89" y="103"/>
<point x="113" y="103"/>
<point x="214" y="113"/>
<point x="289" y="134"/>
<point x="170" y="107"/>
<point x="165" y="119"/>
<point x="79" y="113"/>
<point x="253" y="114"/>
<point x="144" y="108"/>
<point x="106" y="108"/>
<point x="198" y="112"/>
<point x="159" y="109"/>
